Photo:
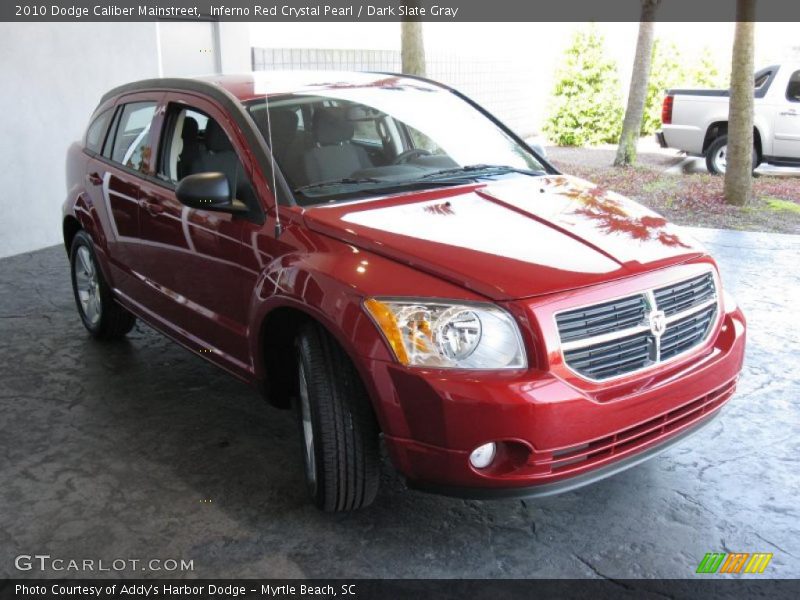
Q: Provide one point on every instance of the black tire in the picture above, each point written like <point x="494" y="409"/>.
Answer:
<point x="342" y="458"/>
<point x="713" y="158"/>
<point x="105" y="319"/>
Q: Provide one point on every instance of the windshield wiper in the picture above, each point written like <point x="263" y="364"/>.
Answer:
<point x="342" y="181"/>
<point x="389" y="186"/>
<point x="479" y="170"/>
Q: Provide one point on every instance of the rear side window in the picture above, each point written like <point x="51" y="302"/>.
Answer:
<point x="96" y="132"/>
<point x="132" y="142"/>
<point x="793" y="89"/>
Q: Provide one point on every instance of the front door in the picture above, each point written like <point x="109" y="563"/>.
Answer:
<point x="191" y="258"/>
<point x="787" y="122"/>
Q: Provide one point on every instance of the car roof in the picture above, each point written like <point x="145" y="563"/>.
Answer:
<point x="250" y="86"/>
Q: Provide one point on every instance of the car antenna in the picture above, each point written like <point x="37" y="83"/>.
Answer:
<point x="278" y="227"/>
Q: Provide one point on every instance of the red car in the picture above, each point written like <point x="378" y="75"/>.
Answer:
<point x="383" y="255"/>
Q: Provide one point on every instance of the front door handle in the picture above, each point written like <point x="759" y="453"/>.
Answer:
<point x="789" y="113"/>
<point x="94" y="178"/>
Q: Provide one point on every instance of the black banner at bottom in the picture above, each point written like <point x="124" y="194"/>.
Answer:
<point x="400" y="589"/>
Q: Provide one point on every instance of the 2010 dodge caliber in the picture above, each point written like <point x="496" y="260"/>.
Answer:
<point x="381" y="254"/>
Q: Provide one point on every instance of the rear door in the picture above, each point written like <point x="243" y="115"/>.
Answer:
<point x="787" y="121"/>
<point x="114" y="177"/>
<point x="191" y="258"/>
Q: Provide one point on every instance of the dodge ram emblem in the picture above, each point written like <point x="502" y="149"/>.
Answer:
<point x="658" y="323"/>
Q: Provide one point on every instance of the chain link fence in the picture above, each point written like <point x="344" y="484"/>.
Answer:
<point x="505" y="87"/>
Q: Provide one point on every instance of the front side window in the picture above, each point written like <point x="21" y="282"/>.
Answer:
<point x="365" y="140"/>
<point x="195" y="143"/>
<point x="132" y="141"/>
<point x="96" y="132"/>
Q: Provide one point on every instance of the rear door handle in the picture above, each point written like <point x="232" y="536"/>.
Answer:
<point x="94" y="178"/>
<point x="789" y="113"/>
<point x="152" y="208"/>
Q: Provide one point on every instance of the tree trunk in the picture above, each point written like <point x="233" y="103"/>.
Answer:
<point x="412" y="48"/>
<point x="739" y="170"/>
<point x="631" y="126"/>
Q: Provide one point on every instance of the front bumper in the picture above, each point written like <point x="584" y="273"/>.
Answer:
<point x="565" y="485"/>
<point x="553" y="436"/>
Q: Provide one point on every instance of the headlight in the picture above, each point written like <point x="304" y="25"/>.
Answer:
<point x="438" y="334"/>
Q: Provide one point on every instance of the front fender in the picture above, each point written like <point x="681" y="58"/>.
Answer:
<point x="329" y="284"/>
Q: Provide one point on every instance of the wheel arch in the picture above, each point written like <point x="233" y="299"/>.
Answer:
<point x="718" y="128"/>
<point x="274" y="355"/>
<point x="276" y="335"/>
<point x="70" y="227"/>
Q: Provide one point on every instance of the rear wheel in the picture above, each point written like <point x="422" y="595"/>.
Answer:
<point x="717" y="156"/>
<point x="101" y="315"/>
<point x="337" y="426"/>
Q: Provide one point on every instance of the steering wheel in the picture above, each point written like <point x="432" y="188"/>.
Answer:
<point x="407" y="155"/>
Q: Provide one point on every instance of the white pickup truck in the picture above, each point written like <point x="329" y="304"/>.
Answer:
<point x="696" y="121"/>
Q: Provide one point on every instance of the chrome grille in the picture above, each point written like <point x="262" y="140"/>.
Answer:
<point x="687" y="332"/>
<point x="685" y="295"/>
<point x="618" y="337"/>
<point x="601" y="318"/>
<point x="608" y="359"/>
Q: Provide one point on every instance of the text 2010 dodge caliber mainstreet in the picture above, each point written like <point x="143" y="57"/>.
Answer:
<point x="381" y="254"/>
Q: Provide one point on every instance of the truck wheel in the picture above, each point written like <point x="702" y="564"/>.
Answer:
<point x="338" y="428"/>
<point x="717" y="156"/>
<point x="100" y="313"/>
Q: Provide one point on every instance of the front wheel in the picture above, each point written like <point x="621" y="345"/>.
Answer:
<point x="717" y="156"/>
<point x="338" y="428"/>
<point x="101" y="315"/>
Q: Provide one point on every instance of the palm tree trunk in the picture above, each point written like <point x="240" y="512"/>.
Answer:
<point x="739" y="170"/>
<point x="412" y="48"/>
<point x="631" y="126"/>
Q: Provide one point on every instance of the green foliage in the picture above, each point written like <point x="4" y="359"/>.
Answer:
<point x="586" y="106"/>
<point x="706" y="74"/>
<point x="669" y="69"/>
<point x="666" y="71"/>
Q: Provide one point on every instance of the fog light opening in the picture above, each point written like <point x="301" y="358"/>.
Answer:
<point x="482" y="456"/>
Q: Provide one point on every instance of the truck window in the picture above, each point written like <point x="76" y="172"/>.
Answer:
<point x="762" y="78"/>
<point x="793" y="89"/>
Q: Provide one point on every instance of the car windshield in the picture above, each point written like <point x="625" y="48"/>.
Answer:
<point x="360" y="141"/>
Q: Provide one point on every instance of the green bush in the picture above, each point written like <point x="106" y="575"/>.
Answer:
<point x="666" y="71"/>
<point x="705" y="73"/>
<point x="586" y="106"/>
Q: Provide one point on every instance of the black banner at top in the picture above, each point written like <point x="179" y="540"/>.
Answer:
<point x="389" y="10"/>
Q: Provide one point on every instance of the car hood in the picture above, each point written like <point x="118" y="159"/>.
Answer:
<point x="512" y="238"/>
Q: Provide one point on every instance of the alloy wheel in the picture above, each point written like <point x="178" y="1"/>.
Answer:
<point x="308" y="430"/>
<point x="87" y="284"/>
<point x="721" y="159"/>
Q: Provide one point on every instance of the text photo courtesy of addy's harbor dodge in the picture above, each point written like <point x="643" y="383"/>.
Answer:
<point x="221" y="10"/>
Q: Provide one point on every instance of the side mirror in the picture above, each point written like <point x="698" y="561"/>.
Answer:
<point x="208" y="191"/>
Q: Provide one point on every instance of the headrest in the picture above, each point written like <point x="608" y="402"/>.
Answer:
<point x="329" y="128"/>
<point x="190" y="129"/>
<point x="216" y="138"/>
<point x="284" y="124"/>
